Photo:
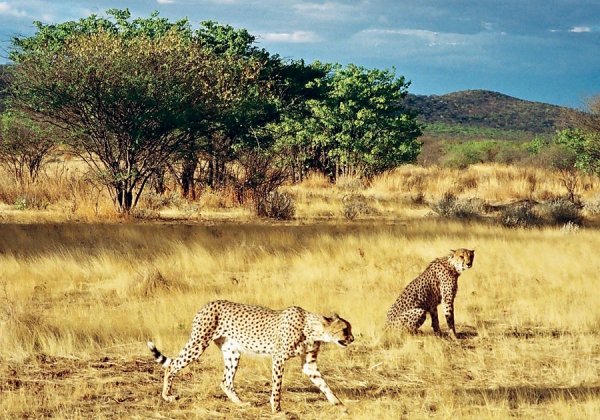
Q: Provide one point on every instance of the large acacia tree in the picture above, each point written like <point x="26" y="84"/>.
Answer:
<point x="131" y="93"/>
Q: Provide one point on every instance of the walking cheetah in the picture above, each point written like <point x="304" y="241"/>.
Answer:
<point x="237" y="328"/>
<point x="437" y="284"/>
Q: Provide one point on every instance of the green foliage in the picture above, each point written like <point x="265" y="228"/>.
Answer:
<point x="359" y="127"/>
<point x="463" y="154"/>
<point x="584" y="147"/>
<point x="538" y="144"/>
<point x="52" y="39"/>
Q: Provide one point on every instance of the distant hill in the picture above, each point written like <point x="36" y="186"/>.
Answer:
<point x="486" y="109"/>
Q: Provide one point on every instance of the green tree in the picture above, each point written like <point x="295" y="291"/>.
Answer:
<point x="562" y="153"/>
<point x="25" y="145"/>
<point x="360" y="127"/>
<point x="132" y="93"/>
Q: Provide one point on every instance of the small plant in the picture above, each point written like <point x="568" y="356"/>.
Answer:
<point x="30" y="202"/>
<point x="20" y="204"/>
<point x="277" y="205"/>
<point x="570" y="227"/>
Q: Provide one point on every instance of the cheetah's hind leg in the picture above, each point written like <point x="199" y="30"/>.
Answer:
<point x="413" y="319"/>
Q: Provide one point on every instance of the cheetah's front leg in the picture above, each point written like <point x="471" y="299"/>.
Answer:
<point x="435" y="321"/>
<point x="231" y="358"/>
<point x="310" y="369"/>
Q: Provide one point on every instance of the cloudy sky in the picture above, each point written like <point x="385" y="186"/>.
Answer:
<point x="538" y="50"/>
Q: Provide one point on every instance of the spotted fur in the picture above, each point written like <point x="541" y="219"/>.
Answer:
<point x="237" y="328"/>
<point x="437" y="284"/>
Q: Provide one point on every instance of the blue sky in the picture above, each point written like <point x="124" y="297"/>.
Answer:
<point x="538" y="50"/>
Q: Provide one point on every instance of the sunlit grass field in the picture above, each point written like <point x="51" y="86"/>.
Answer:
<point x="78" y="301"/>
<point x="82" y="290"/>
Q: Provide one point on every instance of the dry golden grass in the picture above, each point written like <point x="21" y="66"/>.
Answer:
<point x="67" y="192"/>
<point x="79" y="301"/>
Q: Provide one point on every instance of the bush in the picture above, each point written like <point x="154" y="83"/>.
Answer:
<point x="355" y="205"/>
<point x="593" y="207"/>
<point x="522" y="215"/>
<point x="562" y="211"/>
<point x="450" y="206"/>
<point x="277" y="205"/>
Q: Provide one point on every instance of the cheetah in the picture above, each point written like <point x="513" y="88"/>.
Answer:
<point x="238" y="328"/>
<point x="437" y="284"/>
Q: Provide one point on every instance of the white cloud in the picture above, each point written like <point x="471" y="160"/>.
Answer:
<point x="9" y="10"/>
<point x="580" y="29"/>
<point x="291" y="37"/>
<point x="165" y="1"/>
<point x="430" y="38"/>
<point x="329" y="10"/>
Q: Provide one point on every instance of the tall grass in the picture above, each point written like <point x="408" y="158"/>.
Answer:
<point x="79" y="302"/>
<point x="67" y="192"/>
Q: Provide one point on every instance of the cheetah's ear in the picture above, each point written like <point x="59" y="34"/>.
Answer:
<point x="335" y="315"/>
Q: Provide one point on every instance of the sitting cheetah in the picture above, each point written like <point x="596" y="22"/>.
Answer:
<point x="437" y="284"/>
<point x="237" y="328"/>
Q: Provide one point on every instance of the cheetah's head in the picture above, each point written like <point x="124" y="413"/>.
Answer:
<point x="337" y="330"/>
<point x="462" y="259"/>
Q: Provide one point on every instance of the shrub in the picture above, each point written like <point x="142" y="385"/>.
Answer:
<point x="562" y="211"/>
<point x="355" y="205"/>
<point x="593" y="207"/>
<point x="522" y="215"/>
<point x="450" y="206"/>
<point x="277" y="205"/>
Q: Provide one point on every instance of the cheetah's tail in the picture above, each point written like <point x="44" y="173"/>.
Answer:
<point x="160" y="358"/>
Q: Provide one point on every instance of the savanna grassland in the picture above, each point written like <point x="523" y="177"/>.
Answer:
<point x="82" y="292"/>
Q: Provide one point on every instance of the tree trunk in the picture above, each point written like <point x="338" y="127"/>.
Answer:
<point x="189" y="166"/>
